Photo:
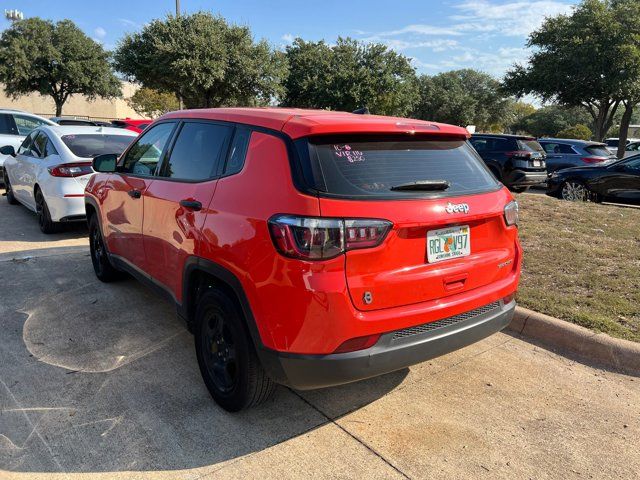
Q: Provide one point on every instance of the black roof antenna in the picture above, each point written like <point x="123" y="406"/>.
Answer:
<point x="361" y="111"/>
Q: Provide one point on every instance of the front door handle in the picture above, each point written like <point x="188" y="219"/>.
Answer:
<point x="134" y="193"/>
<point x="191" y="205"/>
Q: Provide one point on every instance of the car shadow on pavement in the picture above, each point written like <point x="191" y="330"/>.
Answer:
<point x="103" y="378"/>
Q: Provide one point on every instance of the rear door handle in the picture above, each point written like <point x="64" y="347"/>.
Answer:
<point x="191" y="205"/>
<point x="134" y="193"/>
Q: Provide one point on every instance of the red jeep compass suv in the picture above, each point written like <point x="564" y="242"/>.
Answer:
<point x="309" y="248"/>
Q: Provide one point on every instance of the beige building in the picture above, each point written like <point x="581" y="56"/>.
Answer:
<point x="77" y="105"/>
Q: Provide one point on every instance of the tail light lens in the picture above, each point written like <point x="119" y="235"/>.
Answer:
<point x="511" y="213"/>
<point x="316" y="238"/>
<point x="71" y="169"/>
<point x="519" y="154"/>
<point x="591" y="160"/>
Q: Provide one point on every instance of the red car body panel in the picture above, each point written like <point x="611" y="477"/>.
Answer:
<point x="310" y="307"/>
<point x="137" y="126"/>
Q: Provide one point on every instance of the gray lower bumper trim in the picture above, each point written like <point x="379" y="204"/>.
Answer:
<point x="305" y="372"/>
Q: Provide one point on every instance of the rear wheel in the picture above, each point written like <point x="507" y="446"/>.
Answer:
<point x="573" y="191"/>
<point x="9" y="191"/>
<point x="44" y="216"/>
<point x="102" y="266"/>
<point x="228" y="362"/>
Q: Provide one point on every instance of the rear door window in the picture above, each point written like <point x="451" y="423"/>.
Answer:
<point x="366" y="167"/>
<point x="197" y="151"/>
<point x="25" y="124"/>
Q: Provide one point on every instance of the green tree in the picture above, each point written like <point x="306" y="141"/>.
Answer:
<point x="203" y="59"/>
<point x="56" y="60"/>
<point x="580" y="132"/>
<point x="349" y="75"/>
<point x="462" y="97"/>
<point x="549" y="120"/>
<point x="152" y="103"/>
<point x="580" y="59"/>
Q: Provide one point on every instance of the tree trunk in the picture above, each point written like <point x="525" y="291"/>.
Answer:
<point x="624" y="128"/>
<point x="59" y="104"/>
<point x="603" y="120"/>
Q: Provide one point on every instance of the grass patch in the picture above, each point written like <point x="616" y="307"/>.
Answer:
<point x="582" y="263"/>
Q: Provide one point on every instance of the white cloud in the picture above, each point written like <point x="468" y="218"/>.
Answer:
<point x="518" y="18"/>
<point x="125" y="22"/>
<point x="288" y="37"/>
<point x="100" y="33"/>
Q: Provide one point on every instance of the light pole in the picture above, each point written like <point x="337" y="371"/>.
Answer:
<point x="15" y="15"/>
<point x="180" y="102"/>
<point x="177" y="8"/>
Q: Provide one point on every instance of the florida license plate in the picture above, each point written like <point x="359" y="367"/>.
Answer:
<point x="447" y="243"/>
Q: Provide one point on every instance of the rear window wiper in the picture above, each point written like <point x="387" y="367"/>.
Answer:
<point x="423" y="185"/>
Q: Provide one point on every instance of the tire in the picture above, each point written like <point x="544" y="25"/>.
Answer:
<point x="519" y="189"/>
<point x="102" y="266"/>
<point x="574" y="191"/>
<point x="44" y="216"/>
<point x="9" y="191"/>
<point x="226" y="355"/>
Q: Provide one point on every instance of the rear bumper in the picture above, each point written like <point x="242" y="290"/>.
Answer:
<point x="394" y="350"/>
<point x="526" y="177"/>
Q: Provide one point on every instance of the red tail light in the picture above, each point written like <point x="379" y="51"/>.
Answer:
<point x="71" y="169"/>
<point x="317" y="238"/>
<point x="358" y="343"/>
<point x="518" y="154"/>
<point x="594" y="159"/>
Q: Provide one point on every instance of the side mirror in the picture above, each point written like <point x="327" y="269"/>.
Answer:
<point x="8" y="150"/>
<point x="105" y="163"/>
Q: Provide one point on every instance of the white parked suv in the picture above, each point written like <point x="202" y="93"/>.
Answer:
<point x="49" y="171"/>
<point x="15" y="125"/>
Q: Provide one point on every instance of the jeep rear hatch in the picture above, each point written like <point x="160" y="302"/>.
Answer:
<point x="449" y="234"/>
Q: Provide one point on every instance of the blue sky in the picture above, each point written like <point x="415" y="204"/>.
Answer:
<point x="440" y="35"/>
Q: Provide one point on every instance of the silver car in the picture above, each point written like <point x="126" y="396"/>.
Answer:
<point x="15" y="125"/>
<point x="566" y="153"/>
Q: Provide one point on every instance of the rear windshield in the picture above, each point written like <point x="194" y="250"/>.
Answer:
<point x="357" y="167"/>
<point x="612" y="143"/>
<point x="598" y="151"/>
<point x="92" y="145"/>
<point x="530" y="145"/>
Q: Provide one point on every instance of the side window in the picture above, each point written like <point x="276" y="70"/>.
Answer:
<point x="25" y="148"/>
<point x="567" y="149"/>
<point x="7" y="125"/>
<point x="238" y="151"/>
<point x="39" y="146"/>
<point x="197" y="151"/>
<point x="550" y="147"/>
<point x="633" y="165"/>
<point x="480" y="144"/>
<point x="143" y="156"/>
<point x="501" y="145"/>
<point x="49" y="148"/>
<point x="26" y="124"/>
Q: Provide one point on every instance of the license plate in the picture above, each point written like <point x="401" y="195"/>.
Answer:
<point x="447" y="243"/>
<point x="537" y="163"/>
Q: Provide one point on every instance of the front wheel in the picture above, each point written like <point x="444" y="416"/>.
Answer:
<point x="11" y="198"/>
<point x="44" y="216"/>
<point x="573" y="191"/>
<point x="102" y="266"/>
<point x="227" y="359"/>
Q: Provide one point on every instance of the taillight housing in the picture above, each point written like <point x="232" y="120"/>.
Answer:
<point x="523" y="154"/>
<point x="71" y="169"/>
<point x="318" y="238"/>
<point x="591" y="160"/>
<point x="512" y="213"/>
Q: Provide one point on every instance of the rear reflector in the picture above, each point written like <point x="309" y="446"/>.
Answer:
<point x="511" y="213"/>
<point x="358" y="343"/>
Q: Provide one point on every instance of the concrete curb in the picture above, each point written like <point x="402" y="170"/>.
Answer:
<point x="599" y="348"/>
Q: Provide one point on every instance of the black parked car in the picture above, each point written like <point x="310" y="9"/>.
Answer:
<point x="617" y="182"/>
<point x="517" y="161"/>
<point x="567" y="153"/>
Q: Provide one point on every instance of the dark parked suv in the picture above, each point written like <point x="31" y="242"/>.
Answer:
<point x="517" y="161"/>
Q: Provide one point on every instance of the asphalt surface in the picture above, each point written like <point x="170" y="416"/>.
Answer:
<point x="101" y="381"/>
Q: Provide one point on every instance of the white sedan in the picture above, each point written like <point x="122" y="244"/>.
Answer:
<point x="49" y="171"/>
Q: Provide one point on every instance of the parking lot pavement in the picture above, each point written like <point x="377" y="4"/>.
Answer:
<point x="101" y="381"/>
